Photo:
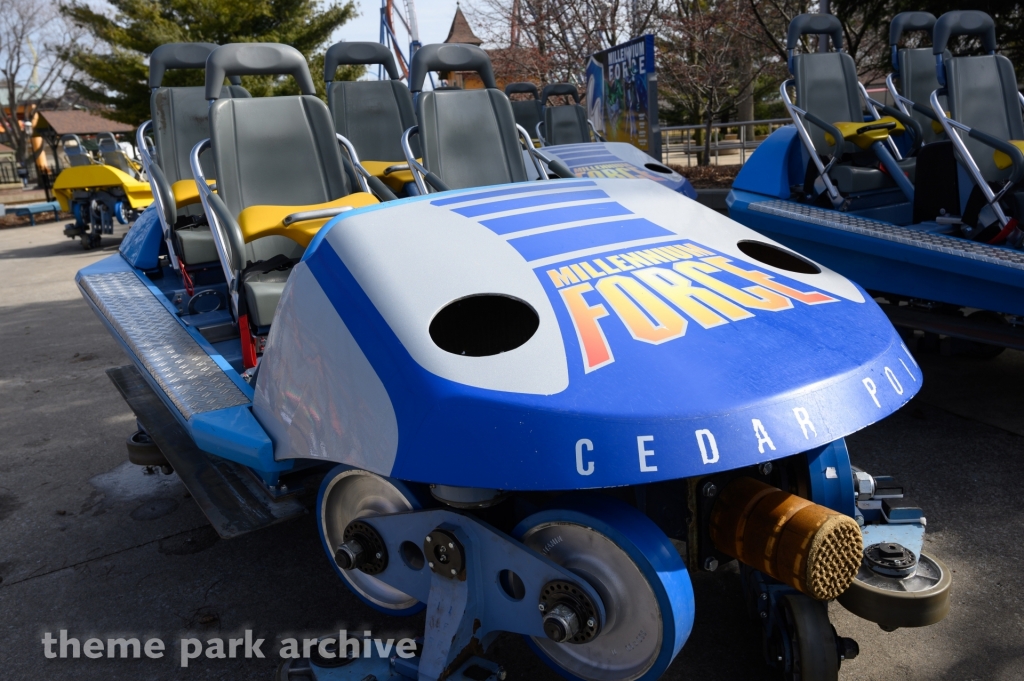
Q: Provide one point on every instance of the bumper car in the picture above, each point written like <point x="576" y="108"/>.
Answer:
<point x="99" y="191"/>
<point x="565" y="133"/>
<point x="916" y="202"/>
<point x="531" y="406"/>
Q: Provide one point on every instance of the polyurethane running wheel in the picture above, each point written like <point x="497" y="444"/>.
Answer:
<point x="643" y="584"/>
<point x="142" y="451"/>
<point x="916" y="601"/>
<point x="812" y="640"/>
<point x="347" y="494"/>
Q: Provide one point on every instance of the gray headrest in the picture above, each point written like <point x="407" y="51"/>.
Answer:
<point x="71" y="137"/>
<point x="107" y="142"/>
<point x="556" y="89"/>
<point x="256" y="59"/>
<point x="904" y="22"/>
<point x="965" y="22"/>
<point x="359" y="53"/>
<point x="522" y="89"/>
<point x="179" y="56"/>
<point x="814" y="24"/>
<point x="450" y="57"/>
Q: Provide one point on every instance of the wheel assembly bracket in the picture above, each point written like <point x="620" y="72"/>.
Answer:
<point x="475" y="580"/>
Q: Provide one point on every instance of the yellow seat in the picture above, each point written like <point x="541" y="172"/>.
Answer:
<point x="866" y="133"/>
<point x="186" y="192"/>
<point x="1002" y="159"/>
<point x="261" y="221"/>
<point x="395" y="180"/>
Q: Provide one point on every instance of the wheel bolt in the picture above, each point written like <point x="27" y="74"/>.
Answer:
<point x="711" y="564"/>
<point x="710" y="490"/>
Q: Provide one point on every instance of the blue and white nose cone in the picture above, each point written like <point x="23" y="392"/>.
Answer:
<point x="567" y="334"/>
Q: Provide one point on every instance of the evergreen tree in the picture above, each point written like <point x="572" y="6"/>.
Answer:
<point x="117" y="74"/>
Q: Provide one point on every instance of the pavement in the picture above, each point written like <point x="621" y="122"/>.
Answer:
<point x="91" y="545"/>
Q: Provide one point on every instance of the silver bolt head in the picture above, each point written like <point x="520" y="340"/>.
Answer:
<point x="711" y="564"/>
<point x="454" y="572"/>
<point x="378" y="555"/>
<point x="591" y="623"/>
<point x="451" y="545"/>
<point x="428" y="538"/>
<point x="764" y="615"/>
<point x="502" y="674"/>
<point x="540" y="606"/>
<point x="710" y="489"/>
<point x="430" y="565"/>
<point x="765" y="468"/>
<point x="764" y="597"/>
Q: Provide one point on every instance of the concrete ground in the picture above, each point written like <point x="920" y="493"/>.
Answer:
<point x="91" y="545"/>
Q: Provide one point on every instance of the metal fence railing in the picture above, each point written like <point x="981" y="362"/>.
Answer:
<point x="683" y="144"/>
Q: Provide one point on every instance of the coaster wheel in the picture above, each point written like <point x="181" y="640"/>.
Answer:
<point x="347" y="494"/>
<point x="643" y="584"/>
<point x="814" y="655"/>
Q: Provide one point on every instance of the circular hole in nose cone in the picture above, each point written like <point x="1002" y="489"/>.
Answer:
<point x="411" y="555"/>
<point x="777" y="257"/>
<point x="512" y="585"/>
<point x="658" y="168"/>
<point x="483" y="325"/>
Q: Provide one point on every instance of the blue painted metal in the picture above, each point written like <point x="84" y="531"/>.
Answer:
<point x="841" y="344"/>
<point x="468" y="611"/>
<point x="774" y="166"/>
<point x="617" y="160"/>
<point x="651" y="552"/>
<point x="764" y="600"/>
<point x="831" y="477"/>
<point x="141" y="245"/>
<point x="880" y="265"/>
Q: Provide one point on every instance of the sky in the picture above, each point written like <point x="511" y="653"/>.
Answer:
<point x="435" y="18"/>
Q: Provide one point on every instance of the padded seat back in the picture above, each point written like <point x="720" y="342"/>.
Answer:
<point x="527" y="112"/>
<point x="113" y="155"/>
<point x="279" y="151"/>
<point x="372" y="114"/>
<point x="468" y="137"/>
<point x="180" y="113"/>
<point x="915" y="67"/>
<point x="75" y="150"/>
<point x="826" y="86"/>
<point x="566" y="124"/>
<point x="917" y="83"/>
<point x="981" y="90"/>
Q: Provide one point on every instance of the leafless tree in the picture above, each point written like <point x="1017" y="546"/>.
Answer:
<point x="550" y="40"/>
<point x="33" y="38"/>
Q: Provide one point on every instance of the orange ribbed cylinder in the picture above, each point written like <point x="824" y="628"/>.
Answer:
<point x="809" y="547"/>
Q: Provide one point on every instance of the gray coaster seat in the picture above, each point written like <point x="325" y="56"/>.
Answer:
<point x="468" y="137"/>
<point x="114" y="156"/>
<point x="527" y="112"/>
<point x="838" y="136"/>
<point x="914" y="68"/>
<point x="280" y="176"/>
<point x="983" y="100"/>
<point x="75" y="150"/>
<point x="566" y="124"/>
<point x="373" y="114"/>
<point x="179" y="122"/>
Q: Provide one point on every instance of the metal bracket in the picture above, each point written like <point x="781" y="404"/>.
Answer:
<point x="465" y="608"/>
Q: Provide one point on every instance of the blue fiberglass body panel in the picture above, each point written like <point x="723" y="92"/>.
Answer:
<point x="618" y="160"/>
<point x="662" y="350"/>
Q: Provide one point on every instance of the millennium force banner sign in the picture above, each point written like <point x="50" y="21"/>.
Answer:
<point x="622" y="94"/>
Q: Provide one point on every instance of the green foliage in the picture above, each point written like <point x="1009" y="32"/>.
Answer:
<point x="117" y="75"/>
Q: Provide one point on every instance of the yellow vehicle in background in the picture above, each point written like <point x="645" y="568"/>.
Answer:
<point x="99" y="187"/>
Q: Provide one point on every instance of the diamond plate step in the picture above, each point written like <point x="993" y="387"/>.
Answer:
<point x="940" y="243"/>
<point x="179" y="365"/>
